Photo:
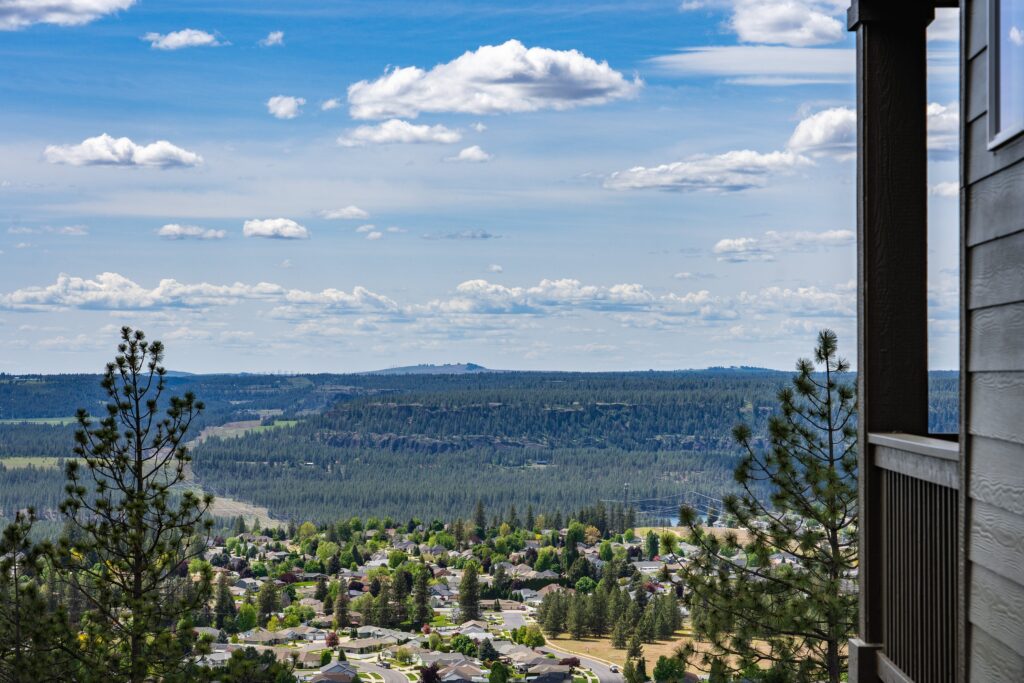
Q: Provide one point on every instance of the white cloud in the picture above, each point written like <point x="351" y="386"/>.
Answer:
<point x="115" y="292"/>
<point x="943" y="127"/>
<point x="740" y="249"/>
<point x="495" y="268"/>
<point x="396" y="131"/>
<point x="768" y="65"/>
<point x="1016" y="36"/>
<point x="287" y="263"/>
<point x="369" y="227"/>
<point x="104" y="150"/>
<point x="945" y="189"/>
<point x="67" y="230"/>
<point x="273" y="38"/>
<point x="566" y="295"/>
<point x="374" y="235"/>
<point x="394" y="229"/>
<point x="174" y="231"/>
<point x="946" y="25"/>
<point x="492" y="79"/>
<point x="832" y="132"/>
<point x="348" y="213"/>
<point x="17" y="14"/>
<point x="788" y="22"/>
<point x="474" y="154"/>
<point x="177" y="40"/>
<point x="728" y="172"/>
<point x="112" y="291"/>
<point x="275" y="228"/>
<point x="479" y="127"/>
<point x="328" y="105"/>
<point x="804" y="302"/>
<point x="285" y="106"/>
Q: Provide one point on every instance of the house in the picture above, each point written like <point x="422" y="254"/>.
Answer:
<point x="941" y="557"/>
<point x="338" y="672"/>
<point x="361" y="646"/>
<point x="261" y="636"/>
<point x="462" y="673"/>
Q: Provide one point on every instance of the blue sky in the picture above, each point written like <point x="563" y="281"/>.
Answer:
<point x="557" y="185"/>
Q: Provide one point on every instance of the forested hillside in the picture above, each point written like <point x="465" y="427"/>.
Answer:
<point x="431" y="444"/>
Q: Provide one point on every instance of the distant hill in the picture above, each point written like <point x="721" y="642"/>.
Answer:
<point x="426" y="369"/>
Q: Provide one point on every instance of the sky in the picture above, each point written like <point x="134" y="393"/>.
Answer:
<point x="329" y="187"/>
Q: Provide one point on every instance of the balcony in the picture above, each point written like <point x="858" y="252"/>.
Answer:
<point x="918" y="566"/>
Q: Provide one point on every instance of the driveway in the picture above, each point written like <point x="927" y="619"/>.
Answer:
<point x="604" y="673"/>
<point x="513" y="619"/>
<point x="390" y="675"/>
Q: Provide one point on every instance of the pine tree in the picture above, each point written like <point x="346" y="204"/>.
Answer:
<point x="529" y="517"/>
<point x="421" y="597"/>
<point x="793" y="620"/>
<point x="469" y="593"/>
<point x="577" y="619"/>
<point x="224" y="608"/>
<point x="268" y="602"/>
<point x="135" y="536"/>
<point x="480" y="519"/>
<point x="341" y="608"/>
<point x="33" y="632"/>
<point x="620" y="633"/>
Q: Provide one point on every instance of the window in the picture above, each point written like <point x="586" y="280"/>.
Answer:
<point x="1006" y="70"/>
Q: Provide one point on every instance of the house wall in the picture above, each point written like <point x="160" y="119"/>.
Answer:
<point x="992" y="365"/>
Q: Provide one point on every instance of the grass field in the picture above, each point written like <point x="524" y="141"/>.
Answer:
<point x="38" y="461"/>
<point x="234" y="429"/>
<point x="682" y="532"/>
<point x="40" y="421"/>
<point x="601" y="648"/>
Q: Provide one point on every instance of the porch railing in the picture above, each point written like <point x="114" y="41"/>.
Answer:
<point x="918" y="525"/>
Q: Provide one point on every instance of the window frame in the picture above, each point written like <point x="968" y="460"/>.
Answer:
<point x="996" y="137"/>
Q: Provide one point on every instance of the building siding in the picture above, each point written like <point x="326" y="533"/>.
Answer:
<point x="993" y="373"/>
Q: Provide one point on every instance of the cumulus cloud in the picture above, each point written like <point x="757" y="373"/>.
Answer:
<point x="328" y="105"/>
<point x="368" y="227"/>
<point x="273" y="38"/>
<point x="348" y="213"/>
<point x="729" y="172"/>
<point x="104" y="150"/>
<point x="480" y="297"/>
<point x="945" y="189"/>
<point x="492" y="79"/>
<point x="740" y="249"/>
<point x="396" y="131"/>
<point x="473" y="154"/>
<point x="115" y="292"/>
<point x="374" y="235"/>
<point x="17" y="14"/>
<point x="804" y="302"/>
<point x="943" y="127"/>
<point x="177" y="40"/>
<point x="112" y="291"/>
<point x="285" y="106"/>
<point x="832" y="132"/>
<point x="495" y="268"/>
<point x="174" y="231"/>
<point x="275" y="228"/>
<point x="787" y="22"/>
<point x="765" y="65"/>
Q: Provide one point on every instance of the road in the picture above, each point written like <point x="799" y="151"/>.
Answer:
<point x="390" y="675"/>
<point x="513" y="618"/>
<point x="604" y="673"/>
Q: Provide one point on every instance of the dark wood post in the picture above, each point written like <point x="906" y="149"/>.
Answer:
<point x="892" y="187"/>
